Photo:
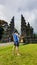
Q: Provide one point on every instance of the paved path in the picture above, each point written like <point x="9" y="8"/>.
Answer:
<point x="5" y="44"/>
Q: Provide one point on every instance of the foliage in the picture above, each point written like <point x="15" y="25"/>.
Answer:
<point x="1" y="32"/>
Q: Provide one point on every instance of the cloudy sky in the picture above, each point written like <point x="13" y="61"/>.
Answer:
<point x="10" y="8"/>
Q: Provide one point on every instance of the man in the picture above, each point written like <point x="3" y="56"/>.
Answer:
<point x="16" y="42"/>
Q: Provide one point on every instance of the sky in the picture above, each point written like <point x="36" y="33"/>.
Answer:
<point x="10" y="8"/>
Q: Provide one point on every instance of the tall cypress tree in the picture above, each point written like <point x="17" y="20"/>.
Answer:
<point x="1" y="32"/>
<point x="23" y="26"/>
<point x="12" y="25"/>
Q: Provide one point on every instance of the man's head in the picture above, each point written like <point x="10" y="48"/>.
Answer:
<point x="15" y="32"/>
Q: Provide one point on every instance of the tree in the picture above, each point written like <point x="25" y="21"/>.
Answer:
<point x="23" y="26"/>
<point x="1" y="32"/>
<point x="11" y="26"/>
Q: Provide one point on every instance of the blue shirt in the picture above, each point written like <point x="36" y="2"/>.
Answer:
<point x="15" y="38"/>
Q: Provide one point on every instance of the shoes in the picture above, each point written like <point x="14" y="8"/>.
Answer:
<point x="18" y="54"/>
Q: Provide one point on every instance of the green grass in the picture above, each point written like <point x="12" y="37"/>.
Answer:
<point x="28" y="55"/>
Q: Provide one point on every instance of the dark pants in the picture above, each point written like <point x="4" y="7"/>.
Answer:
<point x="16" y="43"/>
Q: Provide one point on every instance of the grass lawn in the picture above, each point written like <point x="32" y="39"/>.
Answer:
<point x="28" y="55"/>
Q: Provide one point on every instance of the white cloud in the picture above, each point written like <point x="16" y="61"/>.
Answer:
<point x="2" y="16"/>
<point x="10" y="8"/>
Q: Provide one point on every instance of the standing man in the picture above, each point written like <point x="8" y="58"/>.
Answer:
<point x="16" y="42"/>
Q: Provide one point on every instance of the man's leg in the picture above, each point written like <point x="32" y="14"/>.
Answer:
<point x="13" y="50"/>
<point x="17" y="50"/>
